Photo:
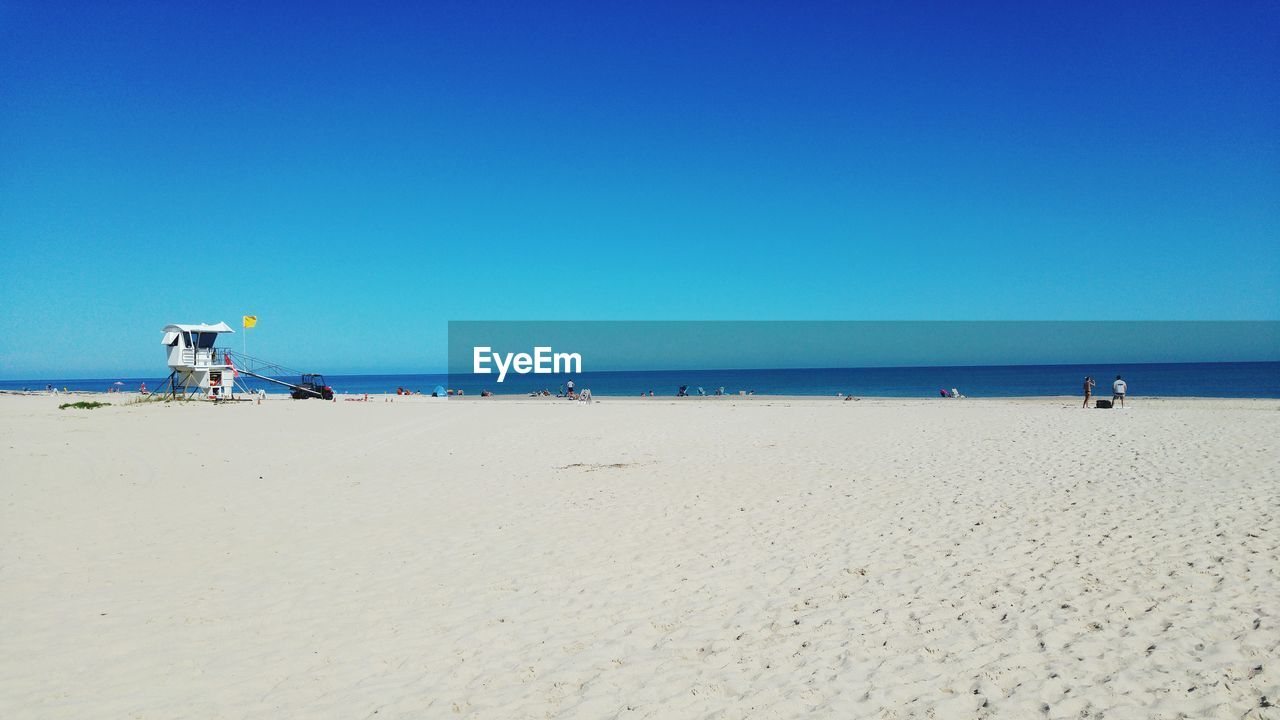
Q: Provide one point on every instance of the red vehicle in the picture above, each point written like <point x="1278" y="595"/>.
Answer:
<point x="312" y="386"/>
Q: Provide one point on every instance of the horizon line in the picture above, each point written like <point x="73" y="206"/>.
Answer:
<point x="717" y="369"/>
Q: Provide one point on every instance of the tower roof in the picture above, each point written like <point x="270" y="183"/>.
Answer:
<point x="219" y="328"/>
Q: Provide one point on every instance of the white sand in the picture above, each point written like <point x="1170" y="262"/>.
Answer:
<point x="737" y="558"/>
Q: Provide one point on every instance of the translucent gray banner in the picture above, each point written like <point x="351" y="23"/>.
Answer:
<point x="1228" y="359"/>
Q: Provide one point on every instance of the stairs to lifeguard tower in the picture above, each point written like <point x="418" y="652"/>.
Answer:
<point x="266" y="371"/>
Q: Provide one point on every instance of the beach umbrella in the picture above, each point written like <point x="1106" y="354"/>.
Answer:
<point x="119" y="382"/>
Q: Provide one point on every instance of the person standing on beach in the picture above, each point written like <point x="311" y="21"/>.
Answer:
<point x="570" y="386"/>
<point x="1118" y="389"/>
<point x="1089" y="384"/>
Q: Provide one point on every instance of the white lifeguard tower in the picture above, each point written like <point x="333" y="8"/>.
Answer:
<point x="197" y="364"/>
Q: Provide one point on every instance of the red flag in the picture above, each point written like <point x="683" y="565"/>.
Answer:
<point x="234" y="372"/>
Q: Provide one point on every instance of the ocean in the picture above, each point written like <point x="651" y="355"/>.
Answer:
<point x="1227" y="380"/>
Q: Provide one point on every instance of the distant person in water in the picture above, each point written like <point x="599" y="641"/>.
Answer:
<point x="1118" y="390"/>
<point x="1089" y="384"/>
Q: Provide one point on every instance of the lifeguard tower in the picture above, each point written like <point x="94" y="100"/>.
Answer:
<point x="197" y="365"/>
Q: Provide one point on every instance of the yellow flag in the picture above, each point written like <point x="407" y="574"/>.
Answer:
<point x="250" y="321"/>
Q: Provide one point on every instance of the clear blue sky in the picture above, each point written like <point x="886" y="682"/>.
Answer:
<point x="358" y="174"/>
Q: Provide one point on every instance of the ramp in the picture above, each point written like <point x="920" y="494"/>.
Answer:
<point x="266" y="371"/>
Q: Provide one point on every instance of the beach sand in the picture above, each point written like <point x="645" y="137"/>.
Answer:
<point x="697" y="558"/>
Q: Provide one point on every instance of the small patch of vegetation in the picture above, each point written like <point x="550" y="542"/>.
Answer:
<point x="152" y="398"/>
<point x="82" y="405"/>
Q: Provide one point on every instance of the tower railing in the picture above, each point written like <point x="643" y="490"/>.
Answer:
<point x="202" y="357"/>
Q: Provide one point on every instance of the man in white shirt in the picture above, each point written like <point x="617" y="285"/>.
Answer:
<point x="1118" y="389"/>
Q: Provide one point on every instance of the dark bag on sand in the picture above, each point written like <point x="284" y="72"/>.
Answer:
<point x="1104" y="404"/>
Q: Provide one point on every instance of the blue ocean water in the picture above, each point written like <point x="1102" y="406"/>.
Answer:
<point x="1237" y="380"/>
